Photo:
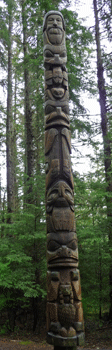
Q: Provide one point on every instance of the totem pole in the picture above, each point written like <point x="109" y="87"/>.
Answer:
<point x="65" y="326"/>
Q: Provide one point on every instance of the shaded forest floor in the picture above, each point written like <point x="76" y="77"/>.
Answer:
<point x="97" y="338"/>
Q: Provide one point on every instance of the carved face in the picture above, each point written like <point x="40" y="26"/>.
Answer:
<point x="55" y="29"/>
<point x="56" y="116"/>
<point x="57" y="75"/>
<point x="60" y="195"/>
<point x="60" y="208"/>
<point x="62" y="249"/>
<point x="53" y="106"/>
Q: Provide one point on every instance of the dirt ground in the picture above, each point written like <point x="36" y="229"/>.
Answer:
<point x="8" y="344"/>
<point x="96" y="341"/>
<point x="96" y="338"/>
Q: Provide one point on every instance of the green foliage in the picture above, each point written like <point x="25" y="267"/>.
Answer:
<point x="21" y="254"/>
<point x="93" y="243"/>
<point x="79" y="51"/>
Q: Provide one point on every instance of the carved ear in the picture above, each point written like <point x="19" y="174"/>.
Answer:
<point x="65" y="78"/>
<point x="48" y="53"/>
<point x="49" y="139"/>
<point x="53" y="281"/>
<point x="65" y="132"/>
<point x="49" y="208"/>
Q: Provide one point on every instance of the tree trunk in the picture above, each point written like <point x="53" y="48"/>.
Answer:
<point x="29" y="166"/>
<point x="106" y="140"/>
<point x="100" y="283"/>
<point x="9" y="127"/>
<point x="15" y="148"/>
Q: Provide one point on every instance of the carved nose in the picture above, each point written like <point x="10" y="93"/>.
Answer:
<point x="64" y="249"/>
<point x="60" y="192"/>
<point x="55" y="23"/>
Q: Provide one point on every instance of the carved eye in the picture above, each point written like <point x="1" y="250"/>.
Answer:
<point x="52" y="246"/>
<point x="72" y="245"/>
<point x="52" y="195"/>
<point x="48" y="53"/>
<point x="66" y="109"/>
<point x="49" y="109"/>
<point x="50" y="19"/>
<point x="63" y="54"/>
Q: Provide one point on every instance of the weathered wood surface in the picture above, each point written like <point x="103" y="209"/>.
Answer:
<point x="64" y="307"/>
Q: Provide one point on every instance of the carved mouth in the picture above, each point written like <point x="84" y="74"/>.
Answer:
<point x="58" y="92"/>
<point x="55" y="31"/>
<point x="54" y="115"/>
<point x="63" y="262"/>
<point x="61" y="202"/>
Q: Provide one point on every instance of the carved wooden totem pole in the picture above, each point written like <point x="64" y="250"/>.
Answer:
<point x="64" y="308"/>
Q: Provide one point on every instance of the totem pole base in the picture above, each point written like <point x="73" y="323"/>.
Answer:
<point x="68" y="343"/>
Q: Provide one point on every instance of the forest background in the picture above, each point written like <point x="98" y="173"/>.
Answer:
<point x="22" y="202"/>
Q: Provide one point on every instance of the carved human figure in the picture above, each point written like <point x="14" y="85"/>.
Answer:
<point x="58" y="76"/>
<point x="65" y="317"/>
<point x="56" y="85"/>
<point x="54" y="39"/>
<point x="54" y="26"/>
<point x="60" y="209"/>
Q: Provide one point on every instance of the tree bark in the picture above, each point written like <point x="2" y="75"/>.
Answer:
<point x="15" y="146"/>
<point x="106" y="141"/>
<point x="29" y="166"/>
<point x="9" y="126"/>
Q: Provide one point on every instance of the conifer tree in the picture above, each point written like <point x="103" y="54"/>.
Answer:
<point x="28" y="112"/>
<point x="10" y="140"/>
<point x="106" y="139"/>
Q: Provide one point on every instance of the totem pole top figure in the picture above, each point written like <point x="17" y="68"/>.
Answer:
<point x="54" y="39"/>
<point x="54" y="26"/>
